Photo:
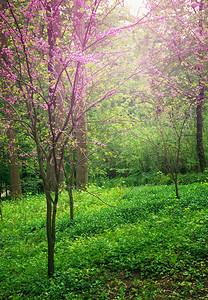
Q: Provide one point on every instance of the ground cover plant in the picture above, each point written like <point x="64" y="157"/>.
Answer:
<point x="139" y="243"/>
<point x="61" y="116"/>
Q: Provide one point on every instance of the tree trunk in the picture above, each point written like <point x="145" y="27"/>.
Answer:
<point x="69" y="186"/>
<point x="81" y="128"/>
<point x="50" y="227"/>
<point x="199" y="134"/>
<point x="16" y="190"/>
<point x="82" y="154"/>
<point x="56" y="97"/>
<point x="199" y="104"/>
<point x="176" y="186"/>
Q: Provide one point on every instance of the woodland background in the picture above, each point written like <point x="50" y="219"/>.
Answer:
<point x="98" y="105"/>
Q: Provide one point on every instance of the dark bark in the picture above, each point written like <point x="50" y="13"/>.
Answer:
<point x="51" y="218"/>
<point x="51" y="206"/>
<point x="82" y="154"/>
<point x="49" y="238"/>
<point x="200" y="100"/>
<point x="16" y="189"/>
<point x="56" y="106"/>
<point x="50" y="225"/>
<point x="199" y="134"/>
<point x="176" y="185"/>
<point x="69" y="187"/>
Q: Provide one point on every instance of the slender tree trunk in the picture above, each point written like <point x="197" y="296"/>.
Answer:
<point x="50" y="225"/>
<point x="199" y="135"/>
<point x="176" y="185"/>
<point x="49" y="238"/>
<point x="199" y="104"/>
<point x="69" y="186"/>
<point x="56" y="96"/>
<point x="51" y="205"/>
<point x="50" y="217"/>
<point x="16" y="190"/>
<point x="54" y="174"/>
<point x="82" y="154"/>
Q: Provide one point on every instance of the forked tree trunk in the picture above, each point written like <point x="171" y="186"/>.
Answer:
<point x="54" y="176"/>
<point x="51" y="206"/>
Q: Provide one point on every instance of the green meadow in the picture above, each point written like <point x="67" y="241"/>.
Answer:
<point x="137" y="243"/>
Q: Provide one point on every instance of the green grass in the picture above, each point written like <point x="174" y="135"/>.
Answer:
<point x="143" y="244"/>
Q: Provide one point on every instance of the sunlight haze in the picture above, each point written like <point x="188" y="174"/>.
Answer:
<point x="134" y="5"/>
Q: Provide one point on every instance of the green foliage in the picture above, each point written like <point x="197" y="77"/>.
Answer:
<point x="193" y="177"/>
<point x="120" y="249"/>
<point x="150" y="178"/>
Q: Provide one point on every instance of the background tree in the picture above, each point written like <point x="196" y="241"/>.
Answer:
<point x="201" y="97"/>
<point x="81" y="127"/>
<point x="169" y="45"/>
<point x="182" y="38"/>
<point x="16" y="189"/>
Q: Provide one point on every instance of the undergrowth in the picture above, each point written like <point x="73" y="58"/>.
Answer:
<point x="139" y="243"/>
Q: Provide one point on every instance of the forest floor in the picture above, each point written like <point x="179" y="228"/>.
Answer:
<point x="137" y="243"/>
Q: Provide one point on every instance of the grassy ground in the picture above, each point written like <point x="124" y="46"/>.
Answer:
<point x="142" y="244"/>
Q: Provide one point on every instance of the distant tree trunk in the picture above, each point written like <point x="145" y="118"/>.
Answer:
<point x="81" y="128"/>
<point x="82" y="152"/>
<point x="199" y="134"/>
<point x="69" y="185"/>
<point x="16" y="190"/>
<point x="199" y="104"/>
